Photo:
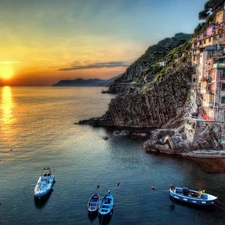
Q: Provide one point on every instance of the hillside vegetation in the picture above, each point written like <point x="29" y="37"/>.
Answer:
<point x="147" y="67"/>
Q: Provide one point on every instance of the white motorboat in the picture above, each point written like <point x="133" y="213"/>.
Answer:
<point x="44" y="184"/>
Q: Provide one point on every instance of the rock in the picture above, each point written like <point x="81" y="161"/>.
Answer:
<point x="211" y="165"/>
<point x="164" y="149"/>
<point x="116" y="133"/>
<point x="139" y="135"/>
<point x="124" y="133"/>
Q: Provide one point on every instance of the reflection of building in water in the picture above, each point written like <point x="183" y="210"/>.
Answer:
<point x="6" y="106"/>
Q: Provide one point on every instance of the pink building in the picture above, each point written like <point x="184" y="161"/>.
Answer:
<point x="210" y="30"/>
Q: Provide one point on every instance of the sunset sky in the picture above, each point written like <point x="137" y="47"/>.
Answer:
<point x="44" y="41"/>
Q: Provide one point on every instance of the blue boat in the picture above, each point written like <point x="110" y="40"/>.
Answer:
<point x="93" y="203"/>
<point x="106" y="205"/>
<point x="192" y="196"/>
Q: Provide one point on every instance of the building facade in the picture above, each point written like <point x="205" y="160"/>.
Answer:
<point x="208" y="84"/>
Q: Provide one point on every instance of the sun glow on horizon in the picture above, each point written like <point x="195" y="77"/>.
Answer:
<point x="6" y="72"/>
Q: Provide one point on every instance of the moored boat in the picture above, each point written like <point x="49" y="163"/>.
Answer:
<point x="93" y="203"/>
<point x="106" y="205"/>
<point x="192" y="196"/>
<point x="44" y="183"/>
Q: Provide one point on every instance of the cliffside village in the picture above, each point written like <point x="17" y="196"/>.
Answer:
<point x="208" y="84"/>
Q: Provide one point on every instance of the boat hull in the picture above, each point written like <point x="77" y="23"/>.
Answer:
<point x="93" y="204"/>
<point x="193" y="200"/>
<point x="106" y="206"/>
<point x="44" y="186"/>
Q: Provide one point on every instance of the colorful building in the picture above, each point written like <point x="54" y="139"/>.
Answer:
<point x="208" y="56"/>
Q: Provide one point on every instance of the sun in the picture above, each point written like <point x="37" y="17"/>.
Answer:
<point x="6" y="72"/>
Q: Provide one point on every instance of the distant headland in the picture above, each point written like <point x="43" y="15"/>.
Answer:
<point x="79" y="82"/>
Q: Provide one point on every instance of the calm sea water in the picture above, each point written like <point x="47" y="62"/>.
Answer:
<point x="37" y="129"/>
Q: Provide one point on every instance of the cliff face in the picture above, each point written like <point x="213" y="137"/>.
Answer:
<point x="153" y="108"/>
<point x="143" y="69"/>
<point x="152" y="94"/>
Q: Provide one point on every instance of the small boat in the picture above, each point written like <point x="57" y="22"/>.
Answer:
<point x="44" y="183"/>
<point x="192" y="196"/>
<point x="106" y="205"/>
<point x="93" y="203"/>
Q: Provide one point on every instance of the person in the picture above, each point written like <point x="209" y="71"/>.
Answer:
<point x="201" y="192"/>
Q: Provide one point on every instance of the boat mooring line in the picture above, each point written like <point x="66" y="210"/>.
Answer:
<point x="153" y="188"/>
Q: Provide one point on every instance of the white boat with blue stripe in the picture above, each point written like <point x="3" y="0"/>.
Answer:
<point x="192" y="196"/>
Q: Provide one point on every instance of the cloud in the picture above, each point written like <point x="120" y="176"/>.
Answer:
<point x="96" y="66"/>
<point x="8" y="62"/>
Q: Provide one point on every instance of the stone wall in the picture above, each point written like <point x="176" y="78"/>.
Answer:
<point x="191" y="136"/>
<point x="208" y="135"/>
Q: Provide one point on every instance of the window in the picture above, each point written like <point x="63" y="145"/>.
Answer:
<point x="223" y="86"/>
<point x="204" y="41"/>
<point x="210" y="39"/>
<point x="223" y="75"/>
<point x="220" y="60"/>
<point x="222" y="99"/>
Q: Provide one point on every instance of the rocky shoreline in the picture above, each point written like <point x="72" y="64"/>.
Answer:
<point x="195" y="139"/>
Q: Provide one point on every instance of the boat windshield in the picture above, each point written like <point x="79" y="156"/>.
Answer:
<point x="46" y="172"/>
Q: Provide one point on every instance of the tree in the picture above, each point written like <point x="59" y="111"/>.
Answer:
<point x="210" y="7"/>
<point x="213" y="5"/>
<point x="203" y="14"/>
<point x="199" y="27"/>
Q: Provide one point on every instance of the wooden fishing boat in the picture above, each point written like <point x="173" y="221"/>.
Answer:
<point x="106" y="205"/>
<point x="192" y="196"/>
<point x="93" y="203"/>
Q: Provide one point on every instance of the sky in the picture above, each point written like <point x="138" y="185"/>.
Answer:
<point x="44" y="41"/>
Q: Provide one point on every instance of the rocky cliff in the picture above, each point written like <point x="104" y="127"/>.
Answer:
<point x="144" y="68"/>
<point x="157" y="96"/>
<point x="152" y="108"/>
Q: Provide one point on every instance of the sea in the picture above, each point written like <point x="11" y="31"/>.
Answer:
<point x="38" y="129"/>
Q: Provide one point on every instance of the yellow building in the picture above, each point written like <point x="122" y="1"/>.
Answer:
<point x="220" y="16"/>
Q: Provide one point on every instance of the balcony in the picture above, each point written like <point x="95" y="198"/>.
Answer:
<point x="219" y="66"/>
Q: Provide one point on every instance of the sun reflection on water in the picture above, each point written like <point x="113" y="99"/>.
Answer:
<point x="7" y="106"/>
